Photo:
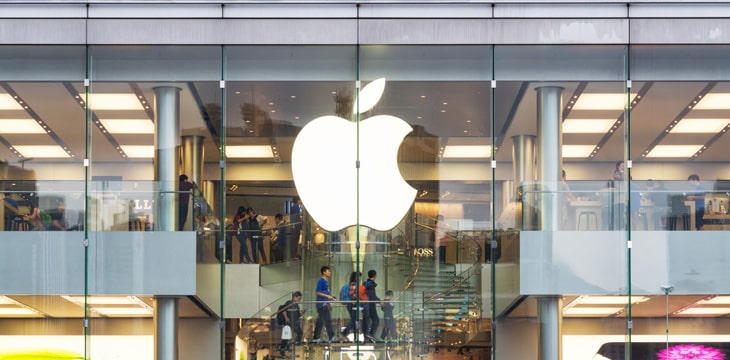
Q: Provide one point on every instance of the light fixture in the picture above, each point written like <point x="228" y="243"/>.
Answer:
<point x="249" y="151"/>
<point x="467" y="151"/>
<point x="699" y="126"/>
<point x="577" y="151"/>
<point x="587" y="126"/>
<point x="606" y="300"/>
<point x="7" y="102"/>
<point x="128" y="126"/>
<point x="121" y="311"/>
<point x="41" y="151"/>
<point x="11" y="308"/>
<point x="719" y="101"/>
<point x="673" y="151"/>
<point x="20" y="126"/>
<point x="705" y="311"/>
<point x="112" y="305"/>
<point x="139" y="151"/>
<point x="715" y="300"/>
<point x="114" y="102"/>
<point x="595" y="311"/>
<point x="602" y="101"/>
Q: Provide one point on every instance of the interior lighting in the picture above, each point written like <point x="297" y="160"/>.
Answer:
<point x="719" y="101"/>
<point x="467" y="151"/>
<point x="121" y="311"/>
<point x="595" y="311"/>
<point x="698" y="126"/>
<point x="139" y="151"/>
<point x="577" y="151"/>
<point x="41" y="151"/>
<point x="7" y="102"/>
<point x="705" y="311"/>
<point x="114" y="102"/>
<point x="128" y="126"/>
<point x="715" y="300"/>
<point x="673" y="151"/>
<point x="249" y="151"/>
<point x="20" y="126"/>
<point x="587" y="126"/>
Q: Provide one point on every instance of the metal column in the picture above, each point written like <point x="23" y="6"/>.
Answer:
<point x="167" y="154"/>
<point x="550" y="319"/>
<point x="165" y="319"/>
<point x="523" y="159"/>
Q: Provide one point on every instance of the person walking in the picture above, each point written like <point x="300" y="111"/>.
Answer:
<point x="372" y="320"/>
<point x="324" y="306"/>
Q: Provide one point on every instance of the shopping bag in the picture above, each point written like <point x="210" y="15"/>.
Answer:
<point x="286" y="332"/>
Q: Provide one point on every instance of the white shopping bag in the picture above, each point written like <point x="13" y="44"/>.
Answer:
<point x="286" y="332"/>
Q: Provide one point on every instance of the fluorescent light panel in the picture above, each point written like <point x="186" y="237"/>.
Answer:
<point x="114" y="102"/>
<point x="8" y="103"/>
<point x="577" y="151"/>
<point x="467" y="151"/>
<point x="128" y="126"/>
<point x="719" y="101"/>
<point x="20" y="126"/>
<point x="705" y="311"/>
<point x="699" y="126"/>
<point x="122" y="311"/>
<point x="249" y="151"/>
<point x="104" y="300"/>
<point x="139" y="151"/>
<point x="14" y="311"/>
<point x="610" y="300"/>
<point x="587" y="126"/>
<point x="673" y="151"/>
<point x="599" y="311"/>
<point x="601" y="101"/>
<point x="41" y="151"/>
<point x="717" y="300"/>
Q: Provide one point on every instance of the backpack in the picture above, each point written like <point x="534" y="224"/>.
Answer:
<point x="345" y="293"/>
<point x="280" y="319"/>
<point x="361" y="294"/>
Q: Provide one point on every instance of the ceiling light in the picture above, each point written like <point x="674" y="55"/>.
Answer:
<point x="249" y="151"/>
<point x="714" y="102"/>
<point x="20" y="126"/>
<point x="711" y="126"/>
<point x="103" y="300"/>
<point x="587" y="126"/>
<point x="467" y="151"/>
<point x="139" y="151"/>
<point x="41" y="151"/>
<point x="609" y="300"/>
<point x="715" y="300"/>
<point x="673" y="151"/>
<point x="122" y="311"/>
<point x="114" y="102"/>
<point x="15" y="311"/>
<point x="705" y="311"/>
<point x="577" y="151"/>
<point x="8" y="103"/>
<point x="601" y="102"/>
<point x="128" y="126"/>
<point x="598" y="311"/>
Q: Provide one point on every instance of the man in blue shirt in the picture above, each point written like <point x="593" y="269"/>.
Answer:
<point x="324" y="306"/>
<point x="699" y="198"/>
<point x="371" y="321"/>
<point x="11" y="209"/>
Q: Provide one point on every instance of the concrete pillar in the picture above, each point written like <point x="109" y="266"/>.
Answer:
<point x="167" y="158"/>
<point x="165" y="322"/>
<point x="192" y="158"/>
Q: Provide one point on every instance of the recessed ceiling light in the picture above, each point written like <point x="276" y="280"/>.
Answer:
<point x="114" y="102"/>
<point x="601" y="102"/>
<point x="705" y="311"/>
<point x="577" y="151"/>
<point x="597" y="311"/>
<point x="716" y="300"/>
<point x="720" y="101"/>
<point x="20" y="126"/>
<point x="587" y="126"/>
<point x="689" y="126"/>
<point x="8" y="103"/>
<point x="17" y="311"/>
<point x="249" y="151"/>
<point x="122" y="311"/>
<point x="139" y="151"/>
<point x="610" y="300"/>
<point x="41" y="151"/>
<point x="129" y="126"/>
<point x="467" y="151"/>
<point x="673" y="151"/>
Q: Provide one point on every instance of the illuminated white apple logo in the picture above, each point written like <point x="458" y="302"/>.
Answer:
<point x="324" y="161"/>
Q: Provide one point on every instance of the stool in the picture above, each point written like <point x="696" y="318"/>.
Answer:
<point x="588" y="215"/>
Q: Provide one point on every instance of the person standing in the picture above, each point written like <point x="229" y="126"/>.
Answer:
<point x="371" y="320"/>
<point x="292" y="316"/>
<point x="238" y="228"/>
<point x="324" y="306"/>
<point x="389" y="331"/>
<point x="11" y="209"/>
<point x="618" y="173"/>
<point x="183" y="203"/>
<point x="255" y="224"/>
<point x="699" y="198"/>
<point x="279" y="249"/>
<point x="295" y="220"/>
<point x="440" y="239"/>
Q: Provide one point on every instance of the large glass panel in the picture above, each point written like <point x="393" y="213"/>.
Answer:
<point x="679" y="143"/>
<point x="154" y="166"/>
<point x="559" y="116"/>
<point x="42" y="147"/>
<point x="272" y="93"/>
<point x="442" y="95"/>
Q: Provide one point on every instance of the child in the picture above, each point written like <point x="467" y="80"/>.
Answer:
<point x="387" y="306"/>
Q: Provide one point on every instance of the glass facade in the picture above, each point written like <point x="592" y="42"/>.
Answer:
<point x="551" y="200"/>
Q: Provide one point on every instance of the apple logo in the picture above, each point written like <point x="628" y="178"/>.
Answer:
<point x="324" y="167"/>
